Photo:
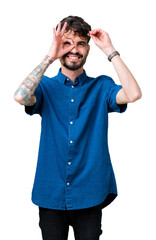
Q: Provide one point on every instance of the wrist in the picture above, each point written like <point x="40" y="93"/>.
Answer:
<point x="109" y="50"/>
<point x="112" y="55"/>
<point x="47" y="59"/>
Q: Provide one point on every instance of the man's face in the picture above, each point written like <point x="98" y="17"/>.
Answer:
<point x="77" y="57"/>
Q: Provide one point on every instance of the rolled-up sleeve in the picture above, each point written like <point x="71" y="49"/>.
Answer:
<point x="37" y="107"/>
<point x="112" y="105"/>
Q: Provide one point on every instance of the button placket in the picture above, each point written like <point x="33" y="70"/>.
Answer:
<point x="72" y="100"/>
<point x="71" y="141"/>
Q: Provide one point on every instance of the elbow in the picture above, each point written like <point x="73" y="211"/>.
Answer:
<point x="18" y="99"/>
<point x="136" y="96"/>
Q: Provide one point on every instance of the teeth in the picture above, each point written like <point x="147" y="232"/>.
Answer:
<point x="73" y="57"/>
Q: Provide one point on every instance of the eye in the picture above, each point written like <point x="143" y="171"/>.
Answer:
<point x="67" y="43"/>
<point x="82" y="44"/>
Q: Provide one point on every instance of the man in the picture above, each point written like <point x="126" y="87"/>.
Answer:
<point x="74" y="177"/>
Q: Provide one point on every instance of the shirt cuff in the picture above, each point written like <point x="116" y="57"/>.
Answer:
<point x="118" y="107"/>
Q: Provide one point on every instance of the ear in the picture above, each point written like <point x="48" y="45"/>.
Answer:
<point x="88" y="49"/>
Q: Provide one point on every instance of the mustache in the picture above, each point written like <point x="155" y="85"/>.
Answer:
<point x="70" y="53"/>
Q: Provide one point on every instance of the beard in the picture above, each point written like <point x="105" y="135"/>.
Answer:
<point x="73" y="65"/>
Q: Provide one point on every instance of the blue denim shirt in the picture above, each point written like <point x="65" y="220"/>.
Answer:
<point x="74" y="169"/>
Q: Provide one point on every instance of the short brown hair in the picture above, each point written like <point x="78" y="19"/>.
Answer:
<point x="78" y="25"/>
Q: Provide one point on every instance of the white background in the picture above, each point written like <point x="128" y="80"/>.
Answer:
<point x="26" y="35"/>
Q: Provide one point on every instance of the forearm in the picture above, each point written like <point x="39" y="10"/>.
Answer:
<point x="25" y="93"/>
<point x="131" y="90"/>
<point x="130" y="86"/>
<point x="128" y="82"/>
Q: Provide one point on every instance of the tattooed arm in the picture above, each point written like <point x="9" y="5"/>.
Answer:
<point x="25" y="93"/>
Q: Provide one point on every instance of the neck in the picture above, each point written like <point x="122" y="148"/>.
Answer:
<point x="70" y="73"/>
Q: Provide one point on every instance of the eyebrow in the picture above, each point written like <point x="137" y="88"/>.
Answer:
<point x="82" y="42"/>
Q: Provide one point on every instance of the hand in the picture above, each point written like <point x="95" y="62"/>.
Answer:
<point x="58" y="48"/>
<point x="102" y="40"/>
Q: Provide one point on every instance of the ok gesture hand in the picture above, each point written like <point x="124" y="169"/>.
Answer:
<point x="58" y="48"/>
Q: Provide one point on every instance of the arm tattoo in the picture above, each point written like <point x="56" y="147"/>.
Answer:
<point x="30" y="83"/>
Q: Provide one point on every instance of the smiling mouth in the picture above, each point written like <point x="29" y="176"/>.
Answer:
<point x="73" y="57"/>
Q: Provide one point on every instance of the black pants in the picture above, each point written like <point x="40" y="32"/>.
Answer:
<point x="86" y="223"/>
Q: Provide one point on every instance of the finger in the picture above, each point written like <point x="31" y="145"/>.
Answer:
<point x="59" y="27"/>
<point x="68" y="49"/>
<point x="71" y="48"/>
<point x="64" y="28"/>
<point x="95" y="39"/>
<point x="67" y="40"/>
<point x="54" y="33"/>
<point x="95" y="31"/>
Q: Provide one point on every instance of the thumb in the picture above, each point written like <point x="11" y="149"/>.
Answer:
<point x="68" y="49"/>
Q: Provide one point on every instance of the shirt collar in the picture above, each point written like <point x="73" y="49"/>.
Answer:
<point x="80" y="80"/>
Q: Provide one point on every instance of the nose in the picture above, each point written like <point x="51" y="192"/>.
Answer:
<point x="74" y="50"/>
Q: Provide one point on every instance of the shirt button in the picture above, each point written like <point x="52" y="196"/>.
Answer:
<point x="72" y="100"/>
<point x="72" y="86"/>
<point x="69" y="163"/>
<point x="68" y="183"/>
<point x="71" y="122"/>
<point x="71" y="141"/>
<point x="67" y="79"/>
